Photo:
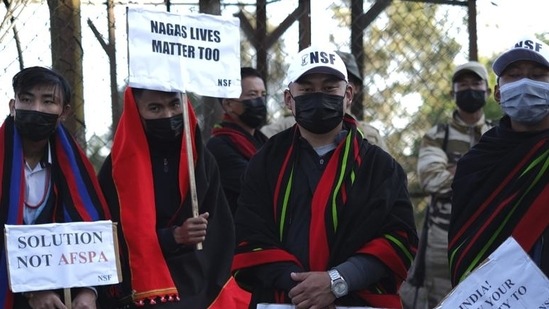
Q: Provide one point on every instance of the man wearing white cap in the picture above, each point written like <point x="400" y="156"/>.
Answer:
<point x="355" y="80"/>
<point x="440" y="149"/>
<point x="324" y="218"/>
<point x="501" y="185"/>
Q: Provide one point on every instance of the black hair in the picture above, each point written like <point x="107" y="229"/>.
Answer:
<point x="247" y="72"/>
<point x="30" y="77"/>
<point x="244" y="73"/>
<point x="138" y="92"/>
<point x="353" y="79"/>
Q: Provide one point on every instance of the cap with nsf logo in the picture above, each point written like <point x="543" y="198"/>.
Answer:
<point x="527" y="48"/>
<point x="315" y="59"/>
<point x="471" y="66"/>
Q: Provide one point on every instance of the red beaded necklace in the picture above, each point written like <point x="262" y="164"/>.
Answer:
<point x="46" y="186"/>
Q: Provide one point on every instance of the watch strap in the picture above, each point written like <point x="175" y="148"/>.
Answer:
<point x="336" y="282"/>
<point x="334" y="274"/>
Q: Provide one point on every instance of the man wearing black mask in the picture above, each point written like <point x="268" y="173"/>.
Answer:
<point x="442" y="146"/>
<point x="237" y="137"/>
<point x="146" y="182"/>
<point x="46" y="177"/>
<point x="324" y="218"/>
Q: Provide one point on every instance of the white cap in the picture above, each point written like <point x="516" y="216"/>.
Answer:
<point x="527" y="48"/>
<point x="315" y="59"/>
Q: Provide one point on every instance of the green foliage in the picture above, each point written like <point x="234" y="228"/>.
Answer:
<point x="410" y="53"/>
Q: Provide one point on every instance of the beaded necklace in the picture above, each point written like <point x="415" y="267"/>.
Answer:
<point x="46" y="186"/>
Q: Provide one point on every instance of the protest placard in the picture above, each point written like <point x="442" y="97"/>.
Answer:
<point x="507" y="279"/>
<point x="61" y="255"/>
<point x="199" y="53"/>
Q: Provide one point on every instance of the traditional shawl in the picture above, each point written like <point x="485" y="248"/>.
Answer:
<point x="243" y="142"/>
<point x="500" y="189"/>
<point x="75" y="190"/>
<point x="360" y="205"/>
<point x="132" y="175"/>
<point x="199" y="279"/>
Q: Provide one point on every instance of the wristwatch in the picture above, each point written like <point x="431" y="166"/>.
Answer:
<point x="338" y="285"/>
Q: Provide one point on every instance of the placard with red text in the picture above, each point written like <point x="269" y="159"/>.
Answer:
<point x="61" y="255"/>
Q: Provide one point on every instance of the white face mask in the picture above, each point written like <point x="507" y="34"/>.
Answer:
<point x="525" y="101"/>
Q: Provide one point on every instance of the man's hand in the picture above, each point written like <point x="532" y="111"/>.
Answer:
<point x="45" y="300"/>
<point x="192" y="231"/>
<point x="313" y="290"/>
<point x="85" y="299"/>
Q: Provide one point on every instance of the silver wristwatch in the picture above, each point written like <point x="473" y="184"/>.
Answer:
<point x="338" y="285"/>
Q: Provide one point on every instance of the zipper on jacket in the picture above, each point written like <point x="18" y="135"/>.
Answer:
<point x="472" y="137"/>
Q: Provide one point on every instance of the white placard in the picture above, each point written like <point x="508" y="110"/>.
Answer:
<point x="507" y="279"/>
<point x="199" y="53"/>
<point x="61" y="255"/>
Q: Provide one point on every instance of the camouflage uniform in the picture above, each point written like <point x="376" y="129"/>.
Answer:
<point x="372" y="135"/>
<point x="436" y="168"/>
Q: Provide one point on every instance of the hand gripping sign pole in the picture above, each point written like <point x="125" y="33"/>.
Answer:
<point x="173" y="59"/>
<point x="190" y="159"/>
<point x="68" y="298"/>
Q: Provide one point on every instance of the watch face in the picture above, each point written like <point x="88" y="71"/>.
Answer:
<point x="340" y="288"/>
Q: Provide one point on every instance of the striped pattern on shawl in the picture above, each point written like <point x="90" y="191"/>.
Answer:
<point x="500" y="189"/>
<point x="74" y="186"/>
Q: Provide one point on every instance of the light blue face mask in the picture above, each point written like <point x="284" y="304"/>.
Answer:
<point x="525" y="101"/>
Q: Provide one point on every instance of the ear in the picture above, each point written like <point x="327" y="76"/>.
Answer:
<point x="288" y="100"/>
<point x="226" y="105"/>
<point x="65" y="113"/>
<point x="488" y="92"/>
<point x="12" y="107"/>
<point x="497" y="93"/>
<point x="349" y="94"/>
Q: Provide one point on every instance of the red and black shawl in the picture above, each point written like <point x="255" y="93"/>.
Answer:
<point x="360" y="206"/>
<point x="500" y="189"/>
<point x="243" y="142"/>
<point x="187" y="279"/>
<point x="75" y="190"/>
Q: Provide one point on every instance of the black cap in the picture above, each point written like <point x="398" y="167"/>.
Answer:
<point x="351" y="65"/>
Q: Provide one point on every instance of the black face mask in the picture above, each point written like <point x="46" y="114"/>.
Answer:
<point x="255" y="112"/>
<point x="164" y="129"/>
<point x="35" y="125"/>
<point x="319" y="112"/>
<point x="470" y="100"/>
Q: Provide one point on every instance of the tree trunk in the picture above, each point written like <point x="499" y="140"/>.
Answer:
<point x="210" y="110"/>
<point x="67" y="55"/>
